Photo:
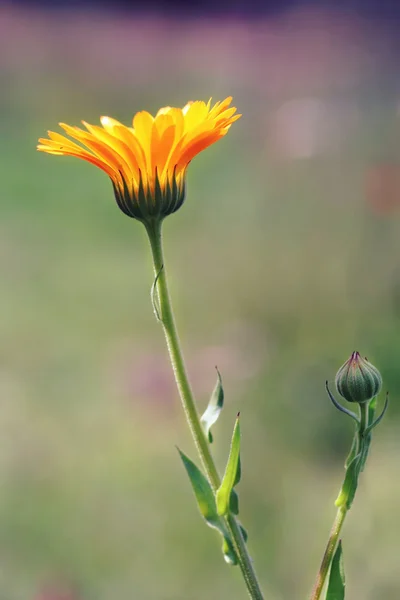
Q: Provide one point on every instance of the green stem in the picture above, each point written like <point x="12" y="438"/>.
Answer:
<point x="328" y="554"/>
<point x="362" y="446"/>
<point x="364" y="441"/>
<point x="363" y="417"/>
<point x="186" y="395"/>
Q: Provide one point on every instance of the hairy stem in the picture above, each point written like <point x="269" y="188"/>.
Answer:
<point x="188" y="403"/>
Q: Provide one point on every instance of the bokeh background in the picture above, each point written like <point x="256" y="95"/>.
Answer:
<point x="283" y="260"/>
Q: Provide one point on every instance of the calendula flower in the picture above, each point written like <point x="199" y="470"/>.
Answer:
<point x="147" y="162"/>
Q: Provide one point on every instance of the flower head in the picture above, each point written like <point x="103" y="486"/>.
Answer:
<point x="147" y="162"/>
<point x="358" y="380"/>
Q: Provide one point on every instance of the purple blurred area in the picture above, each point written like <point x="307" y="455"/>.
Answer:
<point x="383" y="8"/>
<point x="292" y="53"/>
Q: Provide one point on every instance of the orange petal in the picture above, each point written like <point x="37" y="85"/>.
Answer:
<point x="220" y="107"/>
<point x="161" y="152"/>
<point x="126" y="135"/>
<point x="225" y="115"/>
<point x="197" y="146"/>
<point x="101" y="150"/>
<point x="194" y="114"/>
<point x="143" y="125"/>
<point x="122" y="149"/>
<point x="87" y="157"/>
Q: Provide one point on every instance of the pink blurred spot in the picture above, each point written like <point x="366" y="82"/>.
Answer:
<point x="382" y="188"/>
<point x="147" y="378"/>
<point x="56" y="592"/>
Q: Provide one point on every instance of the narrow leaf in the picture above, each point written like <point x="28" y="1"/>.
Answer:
<point x="202" y="489"/>
<point x="234" y="503"/>
<point x="206" y="503"/>
<point x="244" y="532"/>
<point x="364" y="455"/>
<point x="234" y="499"/>
<point x="214" y="408"/>
<point x="154" y="295"/>
<point x="374" y="422"/>
<point x="349" y="487"/>
<point x="353" y="451"/>
<point x="372" y="409"/>
<point x="336" y="585"/>
<point x="227" y="549"/>
<point x="232" y="473"/>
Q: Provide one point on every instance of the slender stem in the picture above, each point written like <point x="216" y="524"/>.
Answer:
<point x="328" y="554"/>
<point x="362" y="442"/>
<point x="189" y="406"/>
<point x="363" y="417"/>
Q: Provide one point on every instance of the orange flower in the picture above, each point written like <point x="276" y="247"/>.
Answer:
<point x="147" y="162"/>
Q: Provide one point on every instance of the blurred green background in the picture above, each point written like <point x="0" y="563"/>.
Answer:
<point x="283" y="260"/>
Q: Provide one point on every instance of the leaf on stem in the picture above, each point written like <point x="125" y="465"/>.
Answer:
<point x="154" y="295"/>
<point x="234" y="499"/>
<point x="349" y="487"/>
<point x="214" y="408"/>
<point x="336" y="585"/>
<point x="372" y="409"/>
<point x="353" y="451"/>
<point x="206" y="503"/>
<point x="225" y="500"/>
<point x="244" y="532"/>
<point x="375" y="422"/>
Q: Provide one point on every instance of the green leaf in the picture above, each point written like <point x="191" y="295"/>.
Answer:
<point x="234" y="499"/>
<point x="234" y="503"/>
<point x="214" y="408"/>
<point x="202" y="489"/>
<point x="227" y="548"/>
<point x="244" y="532"/>
<point x="154" y="295"/>
<point x="206" y="503"/>
<point x="336" y="585"/>
<point x="364" y="455"/>
<point x="349" y="487"/>
<point x="353" y="451"/>
<point x="231" y="475"/>
<point x="372" y="409"/>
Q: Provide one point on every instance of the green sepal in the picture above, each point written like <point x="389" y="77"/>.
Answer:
<point x="231" y="476"/>
<point x="206" y="503"/>
<point x="349" y="487"/>
<point x="214" y="408"/>
<point x="337" y="584"/>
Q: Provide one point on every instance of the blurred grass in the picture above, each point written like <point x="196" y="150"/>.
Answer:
<point x="279" y="269"/>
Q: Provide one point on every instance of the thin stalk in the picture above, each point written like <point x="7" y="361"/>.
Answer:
<point x="188" y="403"/>
<point x="328" y="554"/>
<point x="362" y="444"/>
<point x="363" y="417"/>
<point x="364" y="441"/>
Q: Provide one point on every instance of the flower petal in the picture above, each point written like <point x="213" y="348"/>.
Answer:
<point x="152" y="155"/>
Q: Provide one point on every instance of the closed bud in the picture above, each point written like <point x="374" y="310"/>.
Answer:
<point x="358" y="380"/>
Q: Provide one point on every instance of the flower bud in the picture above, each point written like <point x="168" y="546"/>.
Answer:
<point x="358" y="380"/>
